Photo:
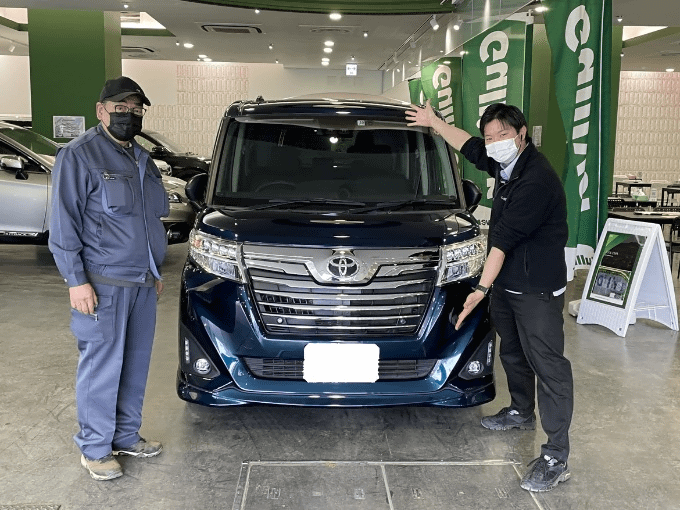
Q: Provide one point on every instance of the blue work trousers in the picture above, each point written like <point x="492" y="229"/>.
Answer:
<point x="115" y="352"/>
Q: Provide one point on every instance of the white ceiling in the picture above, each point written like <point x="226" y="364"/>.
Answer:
<point x="298" y="38"/>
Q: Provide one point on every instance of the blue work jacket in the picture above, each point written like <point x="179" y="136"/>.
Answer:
<point x="103" y="220"/>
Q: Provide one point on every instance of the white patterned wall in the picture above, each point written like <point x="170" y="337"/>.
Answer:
<point x="203" y="93"/>
<point x="648" y="126"/>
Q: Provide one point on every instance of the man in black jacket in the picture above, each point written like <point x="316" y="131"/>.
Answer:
<point x="526" y="266"/>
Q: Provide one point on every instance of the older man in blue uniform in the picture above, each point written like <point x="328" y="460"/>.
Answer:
<point x="108" y="242"/>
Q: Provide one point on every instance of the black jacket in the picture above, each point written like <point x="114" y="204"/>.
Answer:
<point x="528" y="220"/>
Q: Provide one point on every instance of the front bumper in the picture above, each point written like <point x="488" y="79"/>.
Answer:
<point x="217" y="323"/>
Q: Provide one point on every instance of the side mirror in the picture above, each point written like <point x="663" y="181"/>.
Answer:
<point x="195" y="190"/>
<point x="472" y="194"/>
<point x="14" y="164"/>
<point x="157" y="150"/>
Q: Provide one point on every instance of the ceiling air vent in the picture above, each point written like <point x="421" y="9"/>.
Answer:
<point x="231" y="28"/>
<point x="137" y="51"/>
<point x="315" y="29"/>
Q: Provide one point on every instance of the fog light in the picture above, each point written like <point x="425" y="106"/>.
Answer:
<point x="187" y="356"/>
<point x="202" y="366"/>
<point x="489" y="354"/>
<point x="474" y="367"/>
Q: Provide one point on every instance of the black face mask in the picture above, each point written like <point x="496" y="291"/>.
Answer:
<point x="124" y="126"/>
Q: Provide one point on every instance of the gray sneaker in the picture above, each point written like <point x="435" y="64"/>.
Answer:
<point x="141" y="448"/>
<point x="545" y="474"/>
<point x="106" y="468"/>
<point x="507" y="419"/>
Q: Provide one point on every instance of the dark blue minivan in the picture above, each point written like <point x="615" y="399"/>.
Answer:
<point x="333" y="246"/>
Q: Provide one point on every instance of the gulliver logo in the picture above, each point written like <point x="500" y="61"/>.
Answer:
<point x="495" y="47"/>
<point x="343" y="266"/>
<point x="584" y="94"/>
<point x="441" y="81"/>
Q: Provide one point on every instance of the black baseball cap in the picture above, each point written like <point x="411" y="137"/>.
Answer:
<point x="120" y="88"/>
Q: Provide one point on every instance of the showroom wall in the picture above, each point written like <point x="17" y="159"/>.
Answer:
<point x="189" y="98"/>
<point x="648" y="130"/>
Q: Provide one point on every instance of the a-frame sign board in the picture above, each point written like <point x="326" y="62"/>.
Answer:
<point x="630" y="277"/>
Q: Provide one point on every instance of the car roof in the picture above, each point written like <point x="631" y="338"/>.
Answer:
<point x="322" y="105"/>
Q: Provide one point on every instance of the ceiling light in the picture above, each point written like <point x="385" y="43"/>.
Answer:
<point x="188" y="45"/>
<point x="271" y="46"/>
<point x="325" y="62"/>
<point x="441" y="51"/>
<point x="206" y="59"/>
<point x="462" y="53"/>
<point x="365" y="34"/>
<point x="456" y="25"/>
<point x="433" y="22"/>
<point x="257" y="11"/>
<point x="176" y="43"/>
<point x="325" y="59"/>
<point x="670" y="70"/>
<point x="540" y="8"/>
<point x="12" y="48"/>
<point x="328" y="50"/>
<point x="126" y="6"/>
<point x="619" y="19"/>
<point x="329" y="43"/>
<point x="203" y="56"/>
<point x="352" y="57"/>
<point x="622" y="54"/>
<point x="335" y="16"/>
<point x="277" y="60"/>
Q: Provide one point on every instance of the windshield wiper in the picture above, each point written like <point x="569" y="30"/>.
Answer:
<point x="399" y="204"/>
<point x="302" y="202"/>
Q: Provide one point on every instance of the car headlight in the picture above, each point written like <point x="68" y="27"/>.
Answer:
<point x="174" y="197"/>
<point x="215" y="255"/>
<point x="462" y="260"/>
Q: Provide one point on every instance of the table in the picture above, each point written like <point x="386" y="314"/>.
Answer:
<point x="631" y="184"/>
<point x="670" y="191"/>
<point x="658" y="217"/>
<point x="661" y="218"/>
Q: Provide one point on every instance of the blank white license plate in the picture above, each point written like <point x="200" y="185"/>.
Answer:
<point x="341" y="363"/>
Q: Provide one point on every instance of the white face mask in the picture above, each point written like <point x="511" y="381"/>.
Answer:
<point x="503" y="151"/>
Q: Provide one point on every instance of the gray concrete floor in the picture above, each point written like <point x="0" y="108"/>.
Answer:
<point x="625" y="434"/>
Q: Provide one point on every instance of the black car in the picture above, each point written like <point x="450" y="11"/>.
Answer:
<point x="334" y="247"/>
<point x="184" y="165"/>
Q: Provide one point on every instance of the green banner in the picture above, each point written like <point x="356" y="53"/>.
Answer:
<point x="580" y="37"/>
<point x="495" y="69"/>
<point x="440" y="82"/>
<point x="415" y="91"/>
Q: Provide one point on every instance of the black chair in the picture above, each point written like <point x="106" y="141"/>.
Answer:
<point x="673" y="242"/>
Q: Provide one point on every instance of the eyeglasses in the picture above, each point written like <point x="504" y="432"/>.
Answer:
<point x="137" y="110"/>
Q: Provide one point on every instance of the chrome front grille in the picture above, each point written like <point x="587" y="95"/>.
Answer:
<point x="296" y="294"/>
<point x="293" y="369"/>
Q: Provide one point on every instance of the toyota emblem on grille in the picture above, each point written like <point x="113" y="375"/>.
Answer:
<point x="343" y="266"/>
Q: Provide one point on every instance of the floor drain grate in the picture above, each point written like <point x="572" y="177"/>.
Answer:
<point x="30" y="507"/>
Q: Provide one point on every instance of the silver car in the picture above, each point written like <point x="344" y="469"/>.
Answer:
<point x="26" y="161"/>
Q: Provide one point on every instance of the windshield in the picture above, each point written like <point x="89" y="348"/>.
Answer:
<point x="370" y="163"/>
<point x="31" y="140"/>
<point x="166" y="142"/>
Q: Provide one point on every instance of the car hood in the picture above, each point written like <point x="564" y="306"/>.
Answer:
<point x="422" y="229"/>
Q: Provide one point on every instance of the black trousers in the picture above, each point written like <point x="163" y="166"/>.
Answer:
<point x="531" y="327"/>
